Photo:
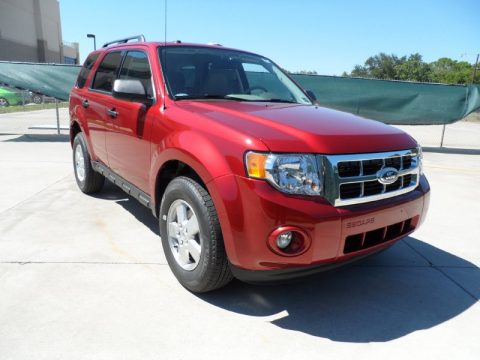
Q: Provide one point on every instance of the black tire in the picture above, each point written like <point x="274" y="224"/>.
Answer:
<point x="212" y="270"/>
<point x="4" y="102"/>
<point x="91" y="181"/>
<point x="37" y="99"/>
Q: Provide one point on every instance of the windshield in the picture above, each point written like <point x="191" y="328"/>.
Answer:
<point x="211" y="73"/>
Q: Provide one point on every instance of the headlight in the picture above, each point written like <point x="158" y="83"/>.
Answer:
<point x="290" y="173"/>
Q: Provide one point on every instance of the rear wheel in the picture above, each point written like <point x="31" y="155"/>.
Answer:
<point x="88" y="180"/>
<point x="37" y="99"/>
<point x="4" y="102"/>
<point x="191" y="237"/>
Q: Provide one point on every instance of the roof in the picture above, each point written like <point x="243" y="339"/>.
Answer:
<point x="157" y="44"/>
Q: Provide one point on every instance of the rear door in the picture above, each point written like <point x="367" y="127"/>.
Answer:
<point x="128" y="143"/>
<point x="98" y="99"/>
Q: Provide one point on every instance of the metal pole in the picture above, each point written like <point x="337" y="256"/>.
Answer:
<point x="92" y="36"/>
<point x="475" y="70"/>
<point x="58" y="117"/>
<point x="443" y="135"/>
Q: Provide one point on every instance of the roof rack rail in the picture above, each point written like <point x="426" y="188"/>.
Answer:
<point x="139" y="38"/>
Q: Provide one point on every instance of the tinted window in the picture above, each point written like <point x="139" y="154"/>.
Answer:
<point x="107" y="71"/>
<point x="136" y="67"/>
<point x="211" y="72"/>
<point x="260" y="79"/>
<point x="87" y="66"/>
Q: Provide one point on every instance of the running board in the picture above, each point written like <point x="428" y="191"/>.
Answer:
<point x="123" y="184"/>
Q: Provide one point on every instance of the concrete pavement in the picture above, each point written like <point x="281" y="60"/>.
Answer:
<point x="85" y="277"/>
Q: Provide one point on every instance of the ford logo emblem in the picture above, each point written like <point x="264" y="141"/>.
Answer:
<point x="387" y="175"/>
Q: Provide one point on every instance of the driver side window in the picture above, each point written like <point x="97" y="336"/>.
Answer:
<point x="136" y="67"/>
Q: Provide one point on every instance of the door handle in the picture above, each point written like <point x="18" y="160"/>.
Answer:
<point x="85" y="103"/>
<point x="112" y="113"/>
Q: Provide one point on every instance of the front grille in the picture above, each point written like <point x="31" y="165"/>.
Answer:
<point x="371" y="238"/>
<point x="370" y="188"/>
<point x="354" y="190"/>
<point x="349" y="168"/>
<point x="351" y="191"/>
<point x="407" y="162"/>
<point x="370" y="167"/>
<point x="352" y="179"/>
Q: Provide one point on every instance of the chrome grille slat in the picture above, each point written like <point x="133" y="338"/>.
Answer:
<point x="339" y="169"/>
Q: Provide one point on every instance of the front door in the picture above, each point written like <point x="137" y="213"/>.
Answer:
<point x="128" y="139"/>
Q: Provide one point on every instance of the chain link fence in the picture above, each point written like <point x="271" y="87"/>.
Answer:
<point x="15" y="100"/>
<point x="28" y="112"/>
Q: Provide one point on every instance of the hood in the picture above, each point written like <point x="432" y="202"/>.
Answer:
<point x="303" y="128"/>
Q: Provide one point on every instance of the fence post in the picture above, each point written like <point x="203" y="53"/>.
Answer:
<point x="58" y="116"/>
<point x="443" y="135"/>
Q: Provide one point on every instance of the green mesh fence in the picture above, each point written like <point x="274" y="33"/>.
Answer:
<point x="392" y="102"/>
<point x="53" y="80"/>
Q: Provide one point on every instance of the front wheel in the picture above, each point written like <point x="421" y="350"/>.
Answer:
<point x="191" y="237"/>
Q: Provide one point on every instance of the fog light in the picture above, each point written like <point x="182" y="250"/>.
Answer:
<point x="288" y="241"/>
<point x="284" y="239"/>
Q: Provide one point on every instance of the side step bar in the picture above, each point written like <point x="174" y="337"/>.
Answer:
<point x="123" y="184"/>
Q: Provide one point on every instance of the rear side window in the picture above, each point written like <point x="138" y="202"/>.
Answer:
<point x="87" y="66"/>
<point x="136" y="67"/>
<point x="106" y="72"/>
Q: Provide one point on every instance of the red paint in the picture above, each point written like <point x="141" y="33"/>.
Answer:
<point x="212" y="138"/>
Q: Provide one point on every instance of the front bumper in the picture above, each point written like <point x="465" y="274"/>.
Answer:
<point x="250" y="210"/>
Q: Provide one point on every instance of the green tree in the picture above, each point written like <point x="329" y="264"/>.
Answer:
<point x="380" y="66"/>
<point x="414" y="69"/>
<point x="446" y="70"/>
<point x="360" y="71"/>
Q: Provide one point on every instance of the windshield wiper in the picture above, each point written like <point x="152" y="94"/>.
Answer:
<point x="208" y="96"/>
<point x="279" y="101"/>
<point x="225" y="97"/>
<point x="234" y="98"/>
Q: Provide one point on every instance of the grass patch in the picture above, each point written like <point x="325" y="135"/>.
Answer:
<point x="31" y="107"/>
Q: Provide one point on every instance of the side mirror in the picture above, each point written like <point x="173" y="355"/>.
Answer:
<point x="311" y="95"/>
<point x="130" y="90"/>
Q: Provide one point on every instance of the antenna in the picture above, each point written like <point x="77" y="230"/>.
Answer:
<point x="165" y="67"/>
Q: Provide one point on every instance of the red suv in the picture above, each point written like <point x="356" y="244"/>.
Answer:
<point x="248" y="177"/>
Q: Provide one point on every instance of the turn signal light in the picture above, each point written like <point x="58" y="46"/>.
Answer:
<point x="256" y="164"/>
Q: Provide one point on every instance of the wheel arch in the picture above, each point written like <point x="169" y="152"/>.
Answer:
<point x="169" y="170"/>
<point x="190" y="153"/>
<point x="74" y="130"/>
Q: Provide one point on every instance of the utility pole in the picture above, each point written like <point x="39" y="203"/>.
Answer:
<point x="475" y="70"/>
